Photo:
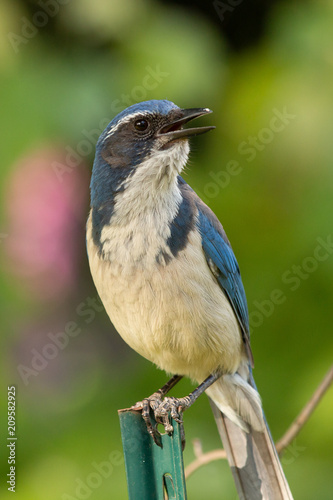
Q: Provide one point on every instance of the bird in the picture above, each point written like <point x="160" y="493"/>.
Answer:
<point x="170" y="283"/>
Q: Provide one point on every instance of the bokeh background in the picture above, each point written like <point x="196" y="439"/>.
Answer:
<point x="66" y="68"/>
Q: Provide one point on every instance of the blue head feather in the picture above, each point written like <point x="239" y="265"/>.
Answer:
<point x="118" y="152"/>
<point x="158" y="107"/>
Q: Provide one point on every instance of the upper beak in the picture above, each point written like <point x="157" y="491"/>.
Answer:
<point x="175" y="130"/>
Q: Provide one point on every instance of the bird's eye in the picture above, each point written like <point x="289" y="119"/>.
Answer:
<point x="141" y="125"/>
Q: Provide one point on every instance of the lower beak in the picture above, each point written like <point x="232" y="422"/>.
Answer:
<point x="175" y="130"/>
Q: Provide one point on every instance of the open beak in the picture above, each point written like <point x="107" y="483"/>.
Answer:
<point x="175" y="130"/>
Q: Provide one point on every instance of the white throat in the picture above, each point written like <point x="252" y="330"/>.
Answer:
<point x="143" y="212"/>
<point x="153" y="187"/>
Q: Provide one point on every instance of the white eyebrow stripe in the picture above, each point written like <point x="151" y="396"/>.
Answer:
<point x="126" y="119"/>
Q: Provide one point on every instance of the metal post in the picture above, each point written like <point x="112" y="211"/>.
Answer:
<point x="153" y="472"/>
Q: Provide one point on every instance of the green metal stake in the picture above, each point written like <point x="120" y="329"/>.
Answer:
<point x="153" y="472"/>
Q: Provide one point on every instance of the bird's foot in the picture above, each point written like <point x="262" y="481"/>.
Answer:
<point x="173" y="406"/>
<point x="145" y="405"/>
<point x="162" y="409"/>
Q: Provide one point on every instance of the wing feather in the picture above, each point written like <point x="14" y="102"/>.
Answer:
<point x="221" y="260"/>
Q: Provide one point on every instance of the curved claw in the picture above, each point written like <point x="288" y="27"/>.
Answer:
<point x="145" y="405"/>
<point x="174" y="407"/>
<point x="176" y="414"/>
<point x="164" y="420"/>
<point x="162" y="409"/>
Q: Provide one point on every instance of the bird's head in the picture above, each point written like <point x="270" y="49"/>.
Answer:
<point x="147" y="129"/>
<point x="151" y="131"/>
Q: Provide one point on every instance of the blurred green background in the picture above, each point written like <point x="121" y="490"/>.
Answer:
<point x="67" y="67"/>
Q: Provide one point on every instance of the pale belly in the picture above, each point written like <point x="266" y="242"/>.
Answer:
<point x="174" y="315"/>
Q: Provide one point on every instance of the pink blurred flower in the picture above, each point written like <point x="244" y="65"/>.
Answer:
<point x="46" y="217"/>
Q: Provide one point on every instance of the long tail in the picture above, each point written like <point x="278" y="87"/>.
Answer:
<point x="251" y="453"/>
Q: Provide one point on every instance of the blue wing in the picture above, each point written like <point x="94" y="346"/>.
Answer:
<point x="221" y="260"/>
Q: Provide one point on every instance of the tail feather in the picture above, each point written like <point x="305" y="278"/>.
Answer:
<point x="238" y="400"/>
<point x="253" y="460"/>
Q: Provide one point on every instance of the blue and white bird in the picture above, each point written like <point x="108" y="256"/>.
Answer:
<point x="170" y="283"/>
